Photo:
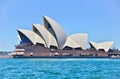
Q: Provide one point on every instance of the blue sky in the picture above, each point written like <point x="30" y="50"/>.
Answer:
<point x="100" y="19"/>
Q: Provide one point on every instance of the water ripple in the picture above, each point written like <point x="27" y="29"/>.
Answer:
<point x="59" y="68"/>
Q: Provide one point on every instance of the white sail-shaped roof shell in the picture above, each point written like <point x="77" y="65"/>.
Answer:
<point x="57" y="31"/>
<point x="46" y="35"/>
<point x="104" y="45"/>
<point x="94" y="45"/>
<point x="80" y="38"/>
<point x="32" y="36"/>
<point x="52" y="40"/>
<point x="71" y="43"/>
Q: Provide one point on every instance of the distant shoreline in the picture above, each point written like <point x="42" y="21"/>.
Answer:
<point x="6" y="56"/>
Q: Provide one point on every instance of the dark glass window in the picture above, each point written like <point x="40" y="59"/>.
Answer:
<point x="24" y="39"/>
<point x="79" y="48"/>
<point x="67" y="48"/>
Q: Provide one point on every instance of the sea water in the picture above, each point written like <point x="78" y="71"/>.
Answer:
<point x="60" y="68"/>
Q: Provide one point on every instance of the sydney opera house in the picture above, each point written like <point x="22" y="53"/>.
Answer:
<point x="50" y="40"/>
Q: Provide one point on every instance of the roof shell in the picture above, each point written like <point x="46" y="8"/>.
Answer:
<point x="32" y="36"/>
<point x="80" y="38"/>
<point x="94" y="45"/>
<point x="104" y="45"/>
<point x="71" y="43"/>
<point x="46" y="35"/>
<point x="57" y="31"/>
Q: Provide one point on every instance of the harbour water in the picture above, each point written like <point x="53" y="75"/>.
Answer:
<point x="60" y="68"/>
